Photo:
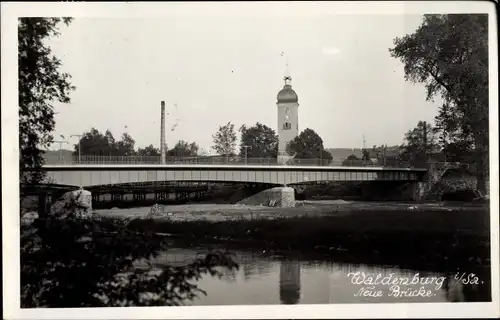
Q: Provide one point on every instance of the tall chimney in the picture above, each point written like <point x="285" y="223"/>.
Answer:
<point x="162" y="134"/>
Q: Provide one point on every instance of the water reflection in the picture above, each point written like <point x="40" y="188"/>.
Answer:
<point x="272" y="280"/>
<point x="454" y="290"/>
<point x="468" y="287"/>
<point x="290" y="282"/>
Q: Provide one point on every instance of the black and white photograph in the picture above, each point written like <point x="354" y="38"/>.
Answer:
<point x="233" y="160"/>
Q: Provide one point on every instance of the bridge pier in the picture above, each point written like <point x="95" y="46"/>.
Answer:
<point x="283" y="197"/>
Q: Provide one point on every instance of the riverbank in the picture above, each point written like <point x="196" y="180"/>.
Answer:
<point x="427" y="235"/>
<point x="316" y="208"/>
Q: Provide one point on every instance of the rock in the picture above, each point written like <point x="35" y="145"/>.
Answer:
<point x="73" y="204"/>
<point x="28" y="218"/>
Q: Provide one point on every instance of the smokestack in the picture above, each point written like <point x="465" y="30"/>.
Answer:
<point x="162" y="134"/>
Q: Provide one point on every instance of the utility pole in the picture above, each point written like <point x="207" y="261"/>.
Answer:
<point x="79" y="136"/>
<point x="425" y="135"/>
<point x="162" y="134"/>
<point x="246" y="151"/>
<point x="363" y="150"/>
<point x="60" y="148"/>
<point x="425" y="141"/>
<point x="321" y="155"/>
<point x="384" y="153"/>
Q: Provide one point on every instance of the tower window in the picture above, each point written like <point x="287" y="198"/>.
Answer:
<point x="287" y="126"/>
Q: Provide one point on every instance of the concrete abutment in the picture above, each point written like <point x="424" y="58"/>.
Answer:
<point x="283" y="197"/>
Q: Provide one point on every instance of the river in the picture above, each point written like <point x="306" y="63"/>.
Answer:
<point x="266" y="279"/>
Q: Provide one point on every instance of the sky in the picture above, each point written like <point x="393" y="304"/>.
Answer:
<point x="215" y="68"/>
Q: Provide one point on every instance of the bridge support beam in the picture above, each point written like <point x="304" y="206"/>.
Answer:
<point x="139" y="196"/>
<point x="117" y="197"/>
<point x="160" y="196"/>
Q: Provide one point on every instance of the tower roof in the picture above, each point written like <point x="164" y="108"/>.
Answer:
<point x="287" y="94"/>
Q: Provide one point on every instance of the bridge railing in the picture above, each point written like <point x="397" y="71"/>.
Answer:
<point x="215" y="160"/>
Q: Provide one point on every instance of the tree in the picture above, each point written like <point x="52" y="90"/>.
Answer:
<point x="459" y="151"/>
<point x="380" y="152"/>
<point x="351" y="160"/>
<point x="449" y="54"/>
<point x="308" y="145"/>
<point x="94" y="143"/>
<point x="93" y="263"/>
<point x="149" y="151"/>
<point x="419" y="143"/>
<point x="365" y="155"/>
<point x="203" y="153"/>
<point x="110" y="139"/>
<point x="184" y="149"/>
<point x="261" y="140"/>
<point x="125" y="147"/>
<point x="225" y="140"/>
<point x="40" y="83"/>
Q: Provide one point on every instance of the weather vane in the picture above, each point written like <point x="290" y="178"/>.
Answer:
<point x="287" y="71"/>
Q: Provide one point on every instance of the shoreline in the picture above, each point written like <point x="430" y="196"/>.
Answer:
<point x="430" y="236"/>
<point x="315" y="208"/>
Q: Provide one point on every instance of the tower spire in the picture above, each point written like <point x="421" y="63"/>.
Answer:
<point x="287" y="69"/>
<point x="288" y="77"/>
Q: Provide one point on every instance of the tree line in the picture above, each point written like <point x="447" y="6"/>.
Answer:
<point x="257" y="141"/>
<point x="96" y="143"/>
<point x="261" y="141"/>
<point x="421" y="145"/>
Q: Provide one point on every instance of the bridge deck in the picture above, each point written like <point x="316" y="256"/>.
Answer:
<point x="114" y="167"/>
<point x="109" y="174"/>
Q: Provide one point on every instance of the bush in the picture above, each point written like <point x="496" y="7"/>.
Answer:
<point x="93" y="263"/>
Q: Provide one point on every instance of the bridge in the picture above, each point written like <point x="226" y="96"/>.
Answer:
<point x="88" y="175"/>
<point x="129" y="175"/>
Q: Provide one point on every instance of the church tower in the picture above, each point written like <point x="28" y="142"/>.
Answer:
<point x="288" y="118"/>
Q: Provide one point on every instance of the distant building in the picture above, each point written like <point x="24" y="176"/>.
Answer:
<point x="288" y="118"/>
